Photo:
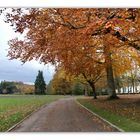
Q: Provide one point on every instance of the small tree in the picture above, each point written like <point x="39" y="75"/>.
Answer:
<point x="40" y="85"/>
<point x="78" y="89"/>
<point x="62" y="86"/>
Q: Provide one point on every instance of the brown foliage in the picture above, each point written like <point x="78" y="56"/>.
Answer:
<point x="54" y="35"/>
<point x="79" y="40"/>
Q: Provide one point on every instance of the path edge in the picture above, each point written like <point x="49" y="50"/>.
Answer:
<point x="119" y="129"/>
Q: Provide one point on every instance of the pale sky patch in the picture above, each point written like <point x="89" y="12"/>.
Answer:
<point x="14" y="70"/>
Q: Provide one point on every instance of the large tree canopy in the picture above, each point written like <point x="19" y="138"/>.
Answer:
<point x="66" y="36"/>
<point x="67" y="30"/>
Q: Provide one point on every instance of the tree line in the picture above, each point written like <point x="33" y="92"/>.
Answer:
<point x="7" y="87"/>
<point x="64" y="84"/>
<point x="39" y="87"/>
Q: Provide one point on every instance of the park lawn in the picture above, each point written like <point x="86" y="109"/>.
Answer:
<point x="124" y="113"/>
<point x="14" y="108"/>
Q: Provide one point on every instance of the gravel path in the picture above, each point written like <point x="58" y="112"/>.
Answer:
<point x="63" y="116"/>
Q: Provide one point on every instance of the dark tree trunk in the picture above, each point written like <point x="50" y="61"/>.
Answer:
<point x="124" y="89"/>
<point x="136" y="90"/>
<point x="110" y="79"/>
<point x="92" y="84"/>
<point x="94" y="91"/>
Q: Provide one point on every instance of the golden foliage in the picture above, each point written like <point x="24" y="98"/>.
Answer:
<point x="76" y="39"/>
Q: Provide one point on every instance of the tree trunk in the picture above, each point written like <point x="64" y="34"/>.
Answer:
<point x="130" y="89"/>
<point x="86" y="90"/>
<point x="123" y="89"/>
<point x="136" y="90"/>
<point x="94" y="91"/>
<point x="92" y="84"/>
<point x="110" y="79"/>
<point x="133" y="86"/>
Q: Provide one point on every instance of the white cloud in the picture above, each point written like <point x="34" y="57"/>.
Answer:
<point x="13" y="69"/>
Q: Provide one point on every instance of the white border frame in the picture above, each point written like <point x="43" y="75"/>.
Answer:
<point x="70" y="4"/>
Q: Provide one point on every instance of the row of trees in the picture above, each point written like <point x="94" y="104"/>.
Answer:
<point x="7" y="87"/>
<point x="63" y="85"/>
<point x="87" y="42"/>
<point x="71" y="85"/>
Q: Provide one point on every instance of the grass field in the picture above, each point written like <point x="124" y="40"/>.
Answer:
<point x="124" y="113"/>
<point x="15" y="108"/>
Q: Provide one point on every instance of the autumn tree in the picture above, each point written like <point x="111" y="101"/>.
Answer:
<point x="131" y="78"/>
<point x="53" y="35"/>
<point x="88" y="71"/>
<point x="78" y="89"/>
<point x="23" y="88"/>
<point x="40" y="85"/>
<point x="126" y="71"/>
<point x="61" y="85"/>
<point x="50" y="89"/>
<point x="67" y="84"/>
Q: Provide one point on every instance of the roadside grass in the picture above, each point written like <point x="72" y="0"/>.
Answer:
<point x="124" y="117"/>
<point x="15" y="108"/>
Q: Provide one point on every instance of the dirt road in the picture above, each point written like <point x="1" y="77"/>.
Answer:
<point x="63" y="116"/>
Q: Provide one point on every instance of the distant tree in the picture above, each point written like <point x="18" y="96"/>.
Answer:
<point x="24" y="88"/>
<point x="50" y="89"/>
<point x="78" y="89"/>
<point x="62" y="86"/>
<point x="7" y="87"/>
<point x="40" y="85"/>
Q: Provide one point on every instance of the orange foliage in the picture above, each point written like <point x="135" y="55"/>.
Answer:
<point x="79" y="40"/>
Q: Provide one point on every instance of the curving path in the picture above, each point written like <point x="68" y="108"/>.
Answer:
<point x="64" y="115"/>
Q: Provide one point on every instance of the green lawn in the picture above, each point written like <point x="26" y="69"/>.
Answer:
<point x="111" y="111"/>
<point x="14" y="108"/>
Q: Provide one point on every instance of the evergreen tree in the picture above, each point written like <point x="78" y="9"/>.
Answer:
<point x="40" y="85"/>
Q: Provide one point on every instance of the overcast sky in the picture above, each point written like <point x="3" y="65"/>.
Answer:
<point x="13" y="70"/>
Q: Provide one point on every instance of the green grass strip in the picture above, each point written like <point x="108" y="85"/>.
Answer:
<point x="120" y="121"/>
<point x="15" y="108"/>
